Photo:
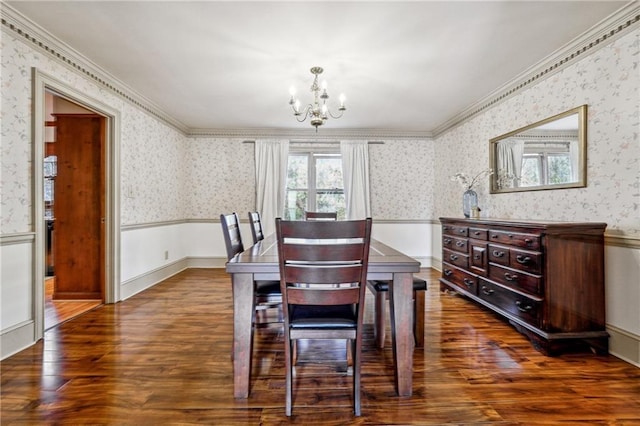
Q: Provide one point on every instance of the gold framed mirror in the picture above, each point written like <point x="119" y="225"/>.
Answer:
<point x="549" y="154"/>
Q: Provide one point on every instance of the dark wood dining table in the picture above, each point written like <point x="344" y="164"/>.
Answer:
<point x="260" y="262"/>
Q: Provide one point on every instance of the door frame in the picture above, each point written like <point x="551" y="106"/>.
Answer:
<point x="41" y="83"/>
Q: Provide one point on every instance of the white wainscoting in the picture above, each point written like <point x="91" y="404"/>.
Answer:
<point x="17" y="319"/>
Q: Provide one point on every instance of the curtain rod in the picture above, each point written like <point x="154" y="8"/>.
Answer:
<point x="322" y="142"/>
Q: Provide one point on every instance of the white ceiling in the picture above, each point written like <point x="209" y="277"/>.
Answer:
<point x="402" y="65"/>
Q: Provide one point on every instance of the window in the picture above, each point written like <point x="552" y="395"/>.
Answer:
<point x="314" y="183"/>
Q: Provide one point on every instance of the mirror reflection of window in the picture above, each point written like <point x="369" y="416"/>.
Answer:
<point x="548" y="163"/>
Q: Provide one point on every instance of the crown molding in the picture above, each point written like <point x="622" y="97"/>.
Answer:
<point x="310" y="134"/>
<point x="611" y="28"/>
<point x="42" y="40"/>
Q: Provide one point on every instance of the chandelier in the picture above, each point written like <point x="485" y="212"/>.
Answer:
<point x="318" y="112"/>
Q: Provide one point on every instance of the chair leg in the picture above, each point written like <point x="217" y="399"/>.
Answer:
<point x="288" y="377"/>
<point x="418" y="317"/>
<point x="379" y="320"/>
<point x="357" y="352"/>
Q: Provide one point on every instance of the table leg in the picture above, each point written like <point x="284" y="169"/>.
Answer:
<point x="400" y="303"/>
<point x="243" y="308"/>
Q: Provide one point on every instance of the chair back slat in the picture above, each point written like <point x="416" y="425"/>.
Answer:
<point x="320" y="215"/>
<point x="256" y="227"/>
<point x="334" y="274"/>
<point x="313" y="253"/>
<point x="327" y="230"/>
<point x="312" y="296"/>
<point x="231" y="232"/>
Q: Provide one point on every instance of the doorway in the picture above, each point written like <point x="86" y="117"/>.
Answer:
<point x="74" y="209"/>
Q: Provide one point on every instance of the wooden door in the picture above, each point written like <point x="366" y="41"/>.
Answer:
<point x="79" y="207"/>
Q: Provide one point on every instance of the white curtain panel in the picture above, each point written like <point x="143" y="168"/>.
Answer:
<point x="510" y="153"/>
<point x="271" y="179"/>
<point x="355" y="173"/>
<point x="574" y="152"/>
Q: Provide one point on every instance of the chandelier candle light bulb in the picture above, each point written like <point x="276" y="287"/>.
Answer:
<point x="318" y="111"/>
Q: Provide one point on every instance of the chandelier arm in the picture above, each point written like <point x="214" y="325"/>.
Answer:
<point x="335" y="116"/>
<point x="304" y="113"/>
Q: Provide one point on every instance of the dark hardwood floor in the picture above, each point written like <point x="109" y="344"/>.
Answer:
<point x="163" y="357"/>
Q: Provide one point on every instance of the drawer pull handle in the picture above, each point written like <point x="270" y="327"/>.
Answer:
<point x="487" y="291"/>
<point x="494" y="236"/>
<point x="523" y="259"/>
<point x="523" y="308"/>
<point x="453" y="257"/>
<point x="460" y="243"/>
<point x="447" y="241"/>
<point x="510" y="277"/>
<point x="447" y="272"/>
<point x="476" y="233"/>
<point x="528" y="241"/>
<point x="446" y="228"/>
<point x="467" y="282"/>
<point x="463" y="231"/>
<point x="497" y="253"/>
<point x="476" y="257"/>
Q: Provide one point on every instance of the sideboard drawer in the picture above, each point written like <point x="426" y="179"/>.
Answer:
<point x="516" y="304"/>
<point x="516" y="279"/>
<point x="460" y="278"/>
<point x="479" y="233"/>
<point x="499" y="254"/>
<point x="454" y="243"/>
<point x="528" y="241"/>
<point x="458" y="231"/>
<point x="528" y="261"/>
<point x="456" y="258"/>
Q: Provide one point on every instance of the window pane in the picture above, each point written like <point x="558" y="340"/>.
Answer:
<point x="329" y="173"/>
<point x="559" y="169"/>
<point x="331" y="201"/>
<point x="297" y="172"/>
<point x="530" y="171"/>
<point x="296" y="205"/>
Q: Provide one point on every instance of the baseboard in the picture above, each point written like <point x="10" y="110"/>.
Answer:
<point x="624" y="345"/>
<point x="16" y="339"/>
<point x="207" y="262"/>
<point x="149" y="279"/>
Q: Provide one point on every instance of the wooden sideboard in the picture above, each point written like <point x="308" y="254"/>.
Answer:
<point x="546" y="278"/>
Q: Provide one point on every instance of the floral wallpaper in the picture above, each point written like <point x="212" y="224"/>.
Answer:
<point x="221" y="177"/>
<point x="402" y="178"/>
<point x="608" y="81"/>
<point x="154" y="169"/>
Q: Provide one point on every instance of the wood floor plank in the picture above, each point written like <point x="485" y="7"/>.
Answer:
<point x="163" y="356"/>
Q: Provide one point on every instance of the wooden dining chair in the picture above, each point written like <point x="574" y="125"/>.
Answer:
<point x="323" y="272"/>
<point x="320" y="215"/>
<point x="380" y="290"/>
<point x="267" y="292"/>
<point x="256" y="227"/>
